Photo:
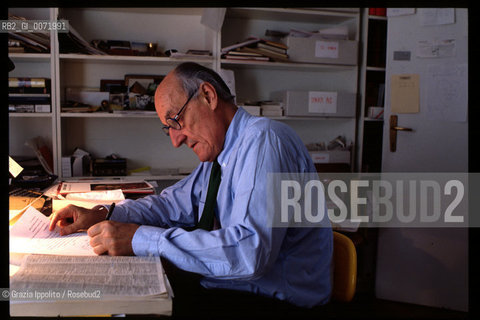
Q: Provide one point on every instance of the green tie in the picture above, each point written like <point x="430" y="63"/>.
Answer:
<point x="208" y="214"/>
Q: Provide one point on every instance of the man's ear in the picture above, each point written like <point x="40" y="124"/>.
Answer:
<point x="209" y="94"/>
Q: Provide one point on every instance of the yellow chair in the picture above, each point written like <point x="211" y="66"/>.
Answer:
<point x="344" y="269"/>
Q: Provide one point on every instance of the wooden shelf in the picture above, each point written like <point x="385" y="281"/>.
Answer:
<point x="106" y="115"/>
<point x="379" y="69"/>
<point x="374" y="17"/>
<point x="289" y="118"/>
<point x="33" y="57"/>
<point x="292" y="14"/>
<point x="285" y="65"/>
<point x="131" y="59"/>
<point x="30" y="115"/>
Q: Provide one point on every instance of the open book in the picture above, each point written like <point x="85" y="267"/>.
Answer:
<point x="62" y="263"/>
<point x="101" y="277"/>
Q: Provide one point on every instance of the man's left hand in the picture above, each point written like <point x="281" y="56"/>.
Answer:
<point x="113" y="238"/>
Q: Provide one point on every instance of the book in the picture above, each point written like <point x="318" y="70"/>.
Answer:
<point x="271" y="48"/>
<point x="120" y="277"/>
<point x="267" y="53"/>
<point x="118" y="44"/>
<point x="275" y="44"/>
<point x="249" y="41"/>
<point x="29" y="95"/>
<point x="242" y="57"/>
<point x="39" y="108"/>
<point x="242" y="52"/>
<point x="139" y="187"/>
<point x="54" y="261"/>
<point x="29" y="85"/>
<point x="29" y="99"/>
<point x="16" y="49"/>
<point x="272" y="108"/>
<point x="72" y="42"/>
<point x="31" y="41"/>
<point x="21" y="108"/>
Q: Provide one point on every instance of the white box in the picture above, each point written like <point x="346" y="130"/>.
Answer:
<point x="45" y="108"/>
<point x="253" y="110"/>
<point x="88" y="96"/>
<point x="66" y="167"/>
<point x="314" y="50"/>
<point x="317" y="103"/>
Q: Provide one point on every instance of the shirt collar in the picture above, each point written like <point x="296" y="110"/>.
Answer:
<point x="234" y="130"/>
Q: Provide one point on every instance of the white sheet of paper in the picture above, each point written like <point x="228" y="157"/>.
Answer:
<point x="97" y="195"/>
<point x="213" y="18"/>
<point x="447" y="92"/>
<point x="436" y="48"/>
<point x="30" y="234"/>
<point x="14" y="167"/>
<point x="436" y="16"/>
<point x="394" y="12"/>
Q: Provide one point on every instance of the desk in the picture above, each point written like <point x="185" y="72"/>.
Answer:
<point x="158" y="305"/>
<point x="95" y="304"/>
<point x="90" y="307"/>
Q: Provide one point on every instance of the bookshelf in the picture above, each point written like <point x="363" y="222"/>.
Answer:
<point x="139" y="137"/>
<point x="258" y="80"/>
<point x="24" y="126"/>
<point x="372" y="75"/>
<point x="370" y="136"/>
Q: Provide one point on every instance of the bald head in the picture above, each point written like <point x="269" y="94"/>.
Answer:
<point x="204" y="119"/>
<point x="167" y="96"/>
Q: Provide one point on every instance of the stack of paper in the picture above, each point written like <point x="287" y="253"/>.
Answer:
<point x="30" y="234"/>
<point x="253" y="110"/>
<point x="272" y="109"/>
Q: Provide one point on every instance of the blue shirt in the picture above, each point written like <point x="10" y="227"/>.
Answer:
<point x="246" y="254"/>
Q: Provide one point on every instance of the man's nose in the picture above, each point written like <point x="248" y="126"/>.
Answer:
<point x="177" y="137"/>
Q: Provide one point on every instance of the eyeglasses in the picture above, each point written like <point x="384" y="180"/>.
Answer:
<point x="173" y="122"/>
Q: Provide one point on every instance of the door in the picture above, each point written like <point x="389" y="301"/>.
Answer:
<point x="428" y="50"/>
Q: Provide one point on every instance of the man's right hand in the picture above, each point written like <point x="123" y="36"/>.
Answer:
<point x="73" y="218"/>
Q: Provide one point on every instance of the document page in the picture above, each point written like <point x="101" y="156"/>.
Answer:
<point x="30" y="234"/>
<point x="109" y="277"/>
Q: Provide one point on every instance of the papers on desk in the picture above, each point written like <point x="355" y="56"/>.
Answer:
<point x="108" y="195"/>
<point x="141" y="187"/>
<point x="111" y="277"/>
<point x="30" y="234"/>
<point x="88" y="199"/>
<point x="99" y="284"/>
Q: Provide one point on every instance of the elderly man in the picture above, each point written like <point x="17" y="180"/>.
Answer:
<point x="214" y="223"/>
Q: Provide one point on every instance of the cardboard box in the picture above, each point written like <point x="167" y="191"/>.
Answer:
<point x="317" y="103"/>
<point x="330" y="156"/>
<point x="315" y="50"/>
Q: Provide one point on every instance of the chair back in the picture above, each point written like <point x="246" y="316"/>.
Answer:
<point x="344" y="269"/>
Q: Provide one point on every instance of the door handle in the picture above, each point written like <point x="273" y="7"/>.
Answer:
<point x="393" y="132"/>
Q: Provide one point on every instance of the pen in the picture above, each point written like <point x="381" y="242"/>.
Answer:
<point x="110" y="211"/>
